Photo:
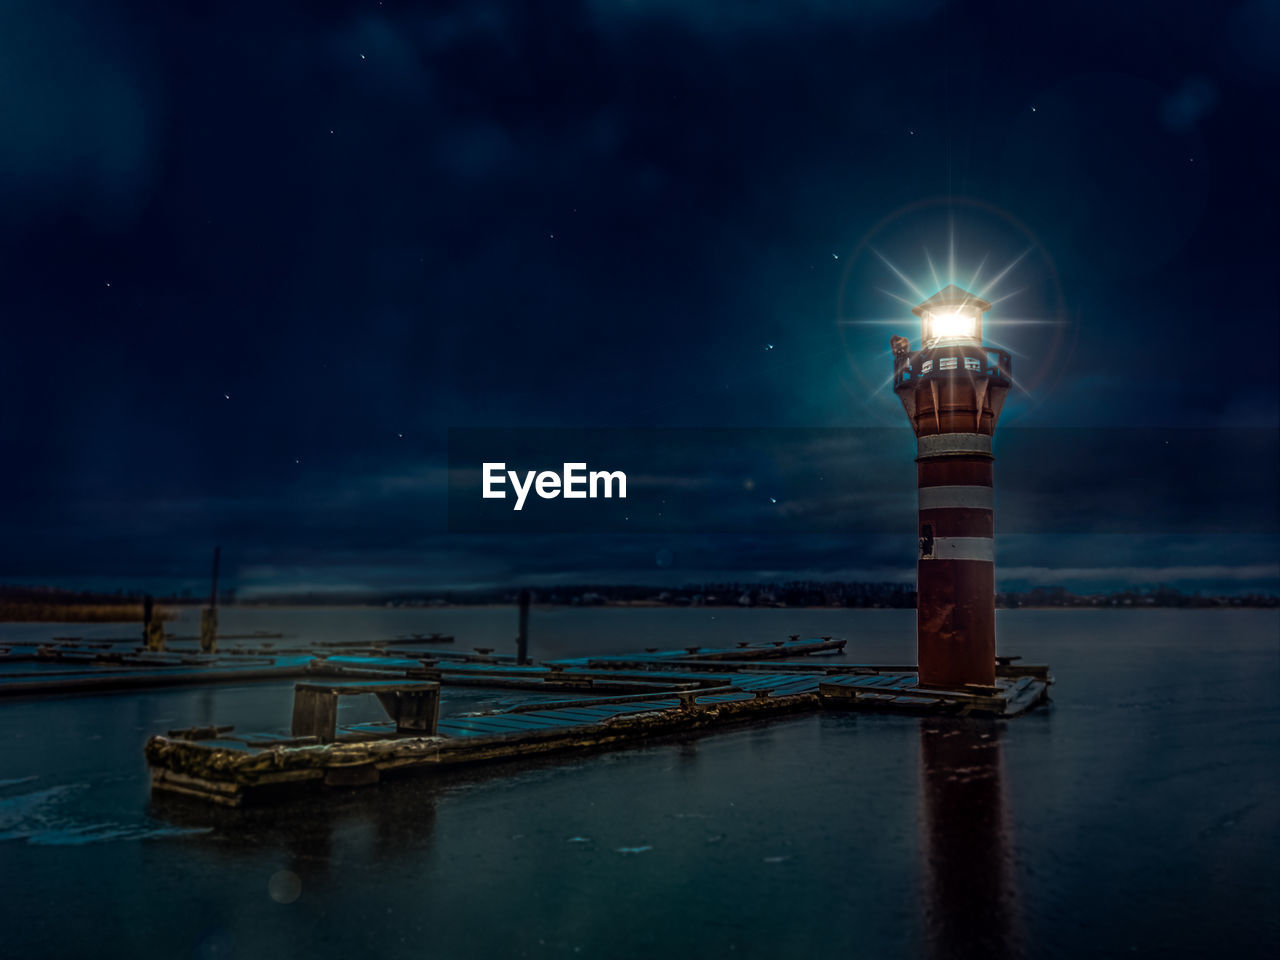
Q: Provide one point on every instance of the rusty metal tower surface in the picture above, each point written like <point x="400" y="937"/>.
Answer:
<point x="953" y="389"/>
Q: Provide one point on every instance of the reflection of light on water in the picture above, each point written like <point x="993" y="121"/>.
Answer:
<point x="970" y="902"/>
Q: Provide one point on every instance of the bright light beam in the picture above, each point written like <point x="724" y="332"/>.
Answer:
<point x="876" y="322"/>
<point x="902" y="300"/>
<point x="929" y="260"/>
<point x="1025" y="322"/>
<point x="900" y="275"/>
<point x="1003" y="273"/>
<point x="951" y="249"/>
<point x="1007" y="349"/>
<point x="880" y="389"/>
<point x="1011" y="293"/>
<point x="973" y="281"/>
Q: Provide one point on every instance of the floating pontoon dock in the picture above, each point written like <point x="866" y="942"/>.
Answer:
<point x="619" y="699"/>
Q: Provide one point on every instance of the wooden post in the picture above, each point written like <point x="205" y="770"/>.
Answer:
<point x="315" y="713"/>
<point x="414" y="711"/>
<point x="209" y="617"/>
<point x="152" y="626"/>
<point x="522" y="638"/>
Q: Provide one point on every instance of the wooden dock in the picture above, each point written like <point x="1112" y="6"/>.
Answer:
<point x="1009" y="696"/>
<point x="70" y="665"/>
<point x="143" y="671"/>
<point x="610" y="702"/>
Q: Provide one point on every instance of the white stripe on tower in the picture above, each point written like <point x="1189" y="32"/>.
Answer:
<point x="953" y="444"/>
<point x="962" y="548"/>
<point x="966" y="498"/>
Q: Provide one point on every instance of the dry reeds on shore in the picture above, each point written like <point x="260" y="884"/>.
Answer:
<point x="17" y="611"/>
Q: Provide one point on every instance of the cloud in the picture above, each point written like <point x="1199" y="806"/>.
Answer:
<point x="75" y="123"/>
<point x="1189" y="104"/>
<point x="723" y="16"/>
<point x="1253" y="32"/>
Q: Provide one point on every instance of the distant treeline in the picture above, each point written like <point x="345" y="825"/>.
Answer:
<point x="1160" y="596"/>
<point x="51" y="603"/>
<point x="786" y="594"/>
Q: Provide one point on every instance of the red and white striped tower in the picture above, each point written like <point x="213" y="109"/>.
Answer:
<point x="953" y="389"/>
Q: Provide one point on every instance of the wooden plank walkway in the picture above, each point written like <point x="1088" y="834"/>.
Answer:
<point x="62" y="668"/>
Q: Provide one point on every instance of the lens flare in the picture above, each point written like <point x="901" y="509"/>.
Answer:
<point x="1016" y="275"/>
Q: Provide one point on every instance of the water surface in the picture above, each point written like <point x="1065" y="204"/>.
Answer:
<point x="1137" y="816"/>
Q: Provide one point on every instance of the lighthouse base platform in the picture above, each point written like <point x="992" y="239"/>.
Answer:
<point x="901" y="693"/>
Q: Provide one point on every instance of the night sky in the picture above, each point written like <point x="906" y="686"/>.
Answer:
<point x="257" y="260"/>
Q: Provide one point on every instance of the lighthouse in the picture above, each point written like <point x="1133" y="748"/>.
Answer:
<point x="953" y="389"/>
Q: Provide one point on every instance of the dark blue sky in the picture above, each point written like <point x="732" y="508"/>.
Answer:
<point x="257" y="259"/>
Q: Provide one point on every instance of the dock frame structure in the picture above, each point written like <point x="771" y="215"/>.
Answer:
<point x="591" y="704"/>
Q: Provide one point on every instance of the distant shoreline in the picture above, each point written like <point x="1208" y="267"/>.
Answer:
<point x="26" y="603"/>
<point x="170" y="608"/>
<point x="645" y="605"/>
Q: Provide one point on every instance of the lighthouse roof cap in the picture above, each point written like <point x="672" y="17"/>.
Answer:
<point x="951" y="296"/>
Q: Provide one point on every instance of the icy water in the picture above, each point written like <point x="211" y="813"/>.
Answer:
<point x="1139" y="815"/>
